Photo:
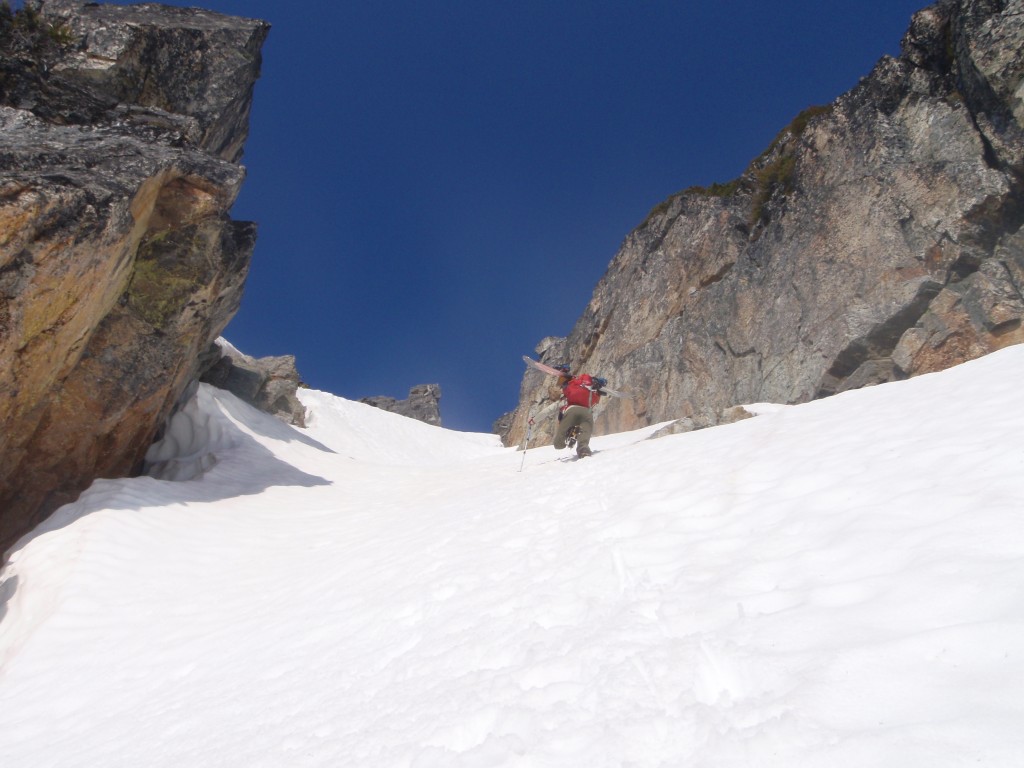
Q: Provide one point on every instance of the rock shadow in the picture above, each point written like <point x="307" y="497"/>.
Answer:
<point x="226" y="462"/>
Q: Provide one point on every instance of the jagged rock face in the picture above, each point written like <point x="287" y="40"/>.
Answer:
<point x="119" y="264"/>
<point x="423" y="404"/>
<point x="877" y="238"/>
<point x="179" y="66"/>
<point x="267" y="383"/>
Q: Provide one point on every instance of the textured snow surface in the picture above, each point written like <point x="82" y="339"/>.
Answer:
<point x="834" y="584"/>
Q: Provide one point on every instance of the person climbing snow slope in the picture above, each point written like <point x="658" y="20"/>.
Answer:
<point x="581" y="395"/>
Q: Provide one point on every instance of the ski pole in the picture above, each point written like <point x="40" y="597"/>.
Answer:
<point x="526" y="445"/>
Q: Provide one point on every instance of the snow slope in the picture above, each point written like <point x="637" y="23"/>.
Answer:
<point x="832" y="584"/>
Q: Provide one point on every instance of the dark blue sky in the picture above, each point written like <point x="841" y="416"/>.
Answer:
<point x="439" y="185"/>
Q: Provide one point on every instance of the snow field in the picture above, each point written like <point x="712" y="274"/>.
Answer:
<point x="832" y="584"/>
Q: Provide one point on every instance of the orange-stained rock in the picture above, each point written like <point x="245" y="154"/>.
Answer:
<point x="119" y="262"/>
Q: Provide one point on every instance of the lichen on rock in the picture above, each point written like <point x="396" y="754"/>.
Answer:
<point x="119" y="261"/>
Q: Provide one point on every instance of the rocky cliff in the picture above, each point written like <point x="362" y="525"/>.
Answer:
<point x="876" y="238"/>
<point x="121" y="129"/>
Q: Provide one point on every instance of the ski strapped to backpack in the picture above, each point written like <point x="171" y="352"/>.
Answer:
<point x="555" y="372"/>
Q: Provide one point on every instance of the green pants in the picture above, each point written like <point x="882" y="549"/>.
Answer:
<point x="575" y="415"/>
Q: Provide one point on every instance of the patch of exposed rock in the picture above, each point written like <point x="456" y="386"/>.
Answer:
<point x="267" y="383"/>
<point x="877" y="238"/>
<point x="119" y="263"/>
<point x="423" y="404"/>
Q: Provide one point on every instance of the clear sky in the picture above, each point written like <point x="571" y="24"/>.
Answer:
<point x="440" y="185"/>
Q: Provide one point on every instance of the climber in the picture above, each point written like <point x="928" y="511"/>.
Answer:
<point x="576" y="417"/>
<point x="581" y="395"/>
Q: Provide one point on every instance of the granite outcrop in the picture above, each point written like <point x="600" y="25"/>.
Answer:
<point x="876" y="238"/>
<point x="121" y="131"/>
<point x="267" y="383"/>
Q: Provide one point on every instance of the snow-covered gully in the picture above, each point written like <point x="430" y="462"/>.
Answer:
<point x="832" y="584"/>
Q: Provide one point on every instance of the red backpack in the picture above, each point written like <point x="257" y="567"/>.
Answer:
<point x="581" y="391"/>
